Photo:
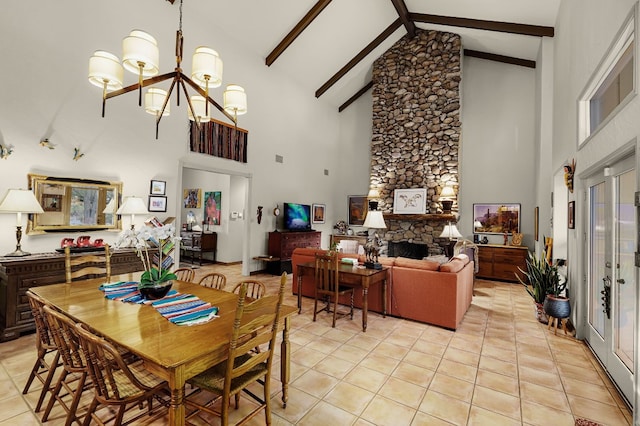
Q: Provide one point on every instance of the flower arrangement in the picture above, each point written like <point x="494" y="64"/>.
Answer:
<point x="146" y="239"/>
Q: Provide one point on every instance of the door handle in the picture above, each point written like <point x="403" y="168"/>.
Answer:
<point x="620" y="281"/>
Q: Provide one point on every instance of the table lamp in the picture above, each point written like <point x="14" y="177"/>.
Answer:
<point x="19" y="201"/>
<point x="446" y="198"/>
<point x="450" y="231"/>
<point x="373" y="220"/>
<point x="133" y="206"/>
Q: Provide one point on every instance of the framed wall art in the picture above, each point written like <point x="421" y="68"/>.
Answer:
<point x="357" y="209"/>
<point x="410" y="201"/>
<point x="192" y="198"/>
<point x="212" y="207"/>
<point x="536" y="220"/>
<point x="157" y="203"/>
<point x="496" y="218"/>
<point x="317" y="213"/>
<point x="158" y="187"/>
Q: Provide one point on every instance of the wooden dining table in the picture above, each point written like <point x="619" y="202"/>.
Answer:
<point x="173" y="352"/>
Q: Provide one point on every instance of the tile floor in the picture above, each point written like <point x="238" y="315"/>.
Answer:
<point x="501" y="367"/>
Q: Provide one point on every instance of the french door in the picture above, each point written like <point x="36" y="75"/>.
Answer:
<point x="611" y="273"/>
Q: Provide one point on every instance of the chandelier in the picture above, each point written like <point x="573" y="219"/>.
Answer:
<point x="140" y="56"/>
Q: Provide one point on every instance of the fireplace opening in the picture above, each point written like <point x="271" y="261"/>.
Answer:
<point x="407" y="249"/>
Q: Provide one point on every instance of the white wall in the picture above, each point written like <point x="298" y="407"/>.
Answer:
<point x="498" y="142"/>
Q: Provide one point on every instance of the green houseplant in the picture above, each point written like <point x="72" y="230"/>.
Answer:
<point x="541" y="279"/>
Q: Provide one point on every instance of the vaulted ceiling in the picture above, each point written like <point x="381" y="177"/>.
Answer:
<point x="328" y="47"/>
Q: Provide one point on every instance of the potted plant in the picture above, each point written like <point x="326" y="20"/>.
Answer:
<point x="541" y="278"/>
<point x="556" y="304"/>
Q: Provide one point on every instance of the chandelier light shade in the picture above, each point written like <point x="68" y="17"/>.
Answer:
<point x="154" y="101"/>
<point x="19" y="201"/>
<point x="140" y="55"/>
<point x="199" y="105"/>
<point x="206" y="67"/>
<point x="105" y="71"/>
<point x="235" y="100"/>
<point x="133" y="206"/>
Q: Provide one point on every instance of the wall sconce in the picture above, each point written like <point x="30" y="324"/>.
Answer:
<point x="446" y="198"/>
<point x="19" y="201"/>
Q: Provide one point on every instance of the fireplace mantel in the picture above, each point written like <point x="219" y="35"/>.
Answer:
<point x="415" y="217"/>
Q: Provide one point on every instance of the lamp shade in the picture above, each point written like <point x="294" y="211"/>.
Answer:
<point x="20" y="201"/>
<point x="450" y="231"/>
<point x="235" y="100"/>
<point x="110" y="208"/>
<point x="140" y="49"/>
<point x="199" y="105"/>
<point x="206" y="67"/>
<point x="447" y="193"/>
<point x="374" y="219"/>
<point x="373" y="193"/>
<point x="132" y="205"/>
<point x="105" y="68"/>
<point x="154" y="101"/>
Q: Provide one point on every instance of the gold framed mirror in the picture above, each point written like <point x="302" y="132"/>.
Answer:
<point x="71" y="204"/>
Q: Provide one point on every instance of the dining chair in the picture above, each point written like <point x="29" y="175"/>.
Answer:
<point x="74" y="374"/>
<point x="185" y="274"/>
<point x="78" y="266"/>
<point x="327" y="286"/>
<point x="255" y="289"/>
<point x="119" y="383"/>
<point x="256" y="323"/>
<point x="44" y="367"/>
<point x="214" y="280"/>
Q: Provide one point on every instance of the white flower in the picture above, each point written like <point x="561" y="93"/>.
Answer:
<point x="144" y="239"/>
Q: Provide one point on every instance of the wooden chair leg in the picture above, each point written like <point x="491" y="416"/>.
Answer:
<point x="335" y="311"/>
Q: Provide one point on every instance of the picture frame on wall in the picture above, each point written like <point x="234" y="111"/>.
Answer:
<point x="357" y="209"/>
<point x="410" y="201"/>
<point x="496" y="218"/>
<point x="536" y="220"/>
<point x="212" y="207"/>
<point x="317" y="213"/>
<point x="571" y="215"/>
<point x="192" y="198"/>
<point x="157" y="203"/>
<point x="158" y="187"/>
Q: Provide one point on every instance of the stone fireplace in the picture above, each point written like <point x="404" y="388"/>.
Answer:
<point x="416" y="130"/>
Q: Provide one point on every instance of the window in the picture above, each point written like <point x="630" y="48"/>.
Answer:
<point x="611" y="85"/>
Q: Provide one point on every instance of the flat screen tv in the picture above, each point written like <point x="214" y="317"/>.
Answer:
<point x="297" y="217"/>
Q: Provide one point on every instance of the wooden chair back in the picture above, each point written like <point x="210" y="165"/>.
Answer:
<point x="78" y="266"/>
<point x="255" y="289"/>
<point x="185" y="274"/>
<point x="214" y="280"/>
<point x="326" y="274"/>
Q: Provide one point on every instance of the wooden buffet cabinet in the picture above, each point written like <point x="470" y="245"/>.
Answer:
<point x="282" y="244"/>
<point x="501" y="262"/>
<point x="18" y="274"/>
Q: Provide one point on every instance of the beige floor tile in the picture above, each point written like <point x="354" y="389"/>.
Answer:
<point x="540" y="377"/>
<point x="298" y="405"/>
<point x="380" y="363"/>
<point x="588" y="391"/>
<point x="399" y="339"/>
<point x="458" y="370"/>
<point x="462" y="356"/>
<point x="324" y="413"/>
<point x="452" y="387"/>
<point x="24" y="419"/>
<point x="334" y="366"/>
<point x="413" y="374"/>
<point x="422" y="360"/>
<point x="315" y="383"/>
<point x="498" y="382"/>
<point x="424" y="419"/>
<point x="324" y="345"/>
<point x="350" y="353"/>
<point x="403" y="392"/>
<point x="445" y="408"/>
<point x="385" y="412"/>
<point x="350" y="398"/>
<point x="539" y="415"/>
<point x="596" y="411"/>
<point x="364" y="342"/>
<point x="482" y="417"/>
<point x="390" y="350"/>
<point x="498" y="402"/>
<point x="498" y="366"/>
<point x="307" y="356"/>
<point x="366" y="378"/>
<point x="544" y="396"/>
<point x="429" y="347"/>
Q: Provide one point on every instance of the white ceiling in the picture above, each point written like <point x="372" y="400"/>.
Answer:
<point x="345" y="27"/>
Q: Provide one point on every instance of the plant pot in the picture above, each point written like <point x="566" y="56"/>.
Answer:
<point x="557" y="306"/>
<point x="540" y="315"/>
<point x="157" y="291"/>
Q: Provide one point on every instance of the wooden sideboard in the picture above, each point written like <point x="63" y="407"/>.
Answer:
<point x="18" y="274"/>
<point x="282" y="244"/>
<point x="501" y="262"/>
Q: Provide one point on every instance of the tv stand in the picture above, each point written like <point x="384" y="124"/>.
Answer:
<point x="282" y="244"/>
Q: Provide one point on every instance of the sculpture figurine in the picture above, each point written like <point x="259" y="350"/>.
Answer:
<point x="569" y="170"/>
<point x="259" y="213"/>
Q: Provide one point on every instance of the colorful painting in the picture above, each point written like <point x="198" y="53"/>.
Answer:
<point x="357" y="209"/>
<point x="192" y="198"/>
<point x="496" y="218"/>
<point x="212" y="207"/>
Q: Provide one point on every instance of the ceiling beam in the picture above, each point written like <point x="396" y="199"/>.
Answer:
<point x="297" y="30"/>
<point x="479" y="24"/>
<point x="500" y="58"/>
<point x="363" y="53"/>
<point x="359" y="93"/>
<point x="403" y="13"/>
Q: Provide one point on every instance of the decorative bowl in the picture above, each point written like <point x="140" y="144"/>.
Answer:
<point x="157" y="291"/>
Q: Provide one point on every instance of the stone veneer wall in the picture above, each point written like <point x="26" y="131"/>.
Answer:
<point x="416" y="127"/>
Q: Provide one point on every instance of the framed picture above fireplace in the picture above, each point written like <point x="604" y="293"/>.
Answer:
<point x="496" y="218"/>
<point x="410" y="201"/>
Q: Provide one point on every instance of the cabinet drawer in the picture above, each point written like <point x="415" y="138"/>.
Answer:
<point x="26" y="282"/>
<point x="505" y="271"/>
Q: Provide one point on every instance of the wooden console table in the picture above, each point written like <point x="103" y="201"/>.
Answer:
<point x="18" y="274"/>
<point x="501" y="262"/>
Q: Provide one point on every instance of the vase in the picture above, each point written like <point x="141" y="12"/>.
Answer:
<point x="156" y="291"/>
<point x="557" y="306"/>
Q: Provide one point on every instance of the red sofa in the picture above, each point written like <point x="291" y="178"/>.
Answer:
<point x="420" y="290"/>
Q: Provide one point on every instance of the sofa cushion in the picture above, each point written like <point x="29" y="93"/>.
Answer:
<point x="429" y="265"/>
<point x="454" y="265"/>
